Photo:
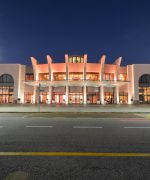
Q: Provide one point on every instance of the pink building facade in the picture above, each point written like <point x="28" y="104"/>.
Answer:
<point x="78" y="82"/>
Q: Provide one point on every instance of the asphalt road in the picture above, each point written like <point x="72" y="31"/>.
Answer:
<point x="22" y="133"/>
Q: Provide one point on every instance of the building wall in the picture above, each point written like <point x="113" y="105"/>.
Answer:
<point x="80" y="80"/>
<point x="131" y="87"/>
<point x="93" y="67"/>
<point x="21" y="84"/>
<point x="139" y="70"/>
<point x="17" y="71"/>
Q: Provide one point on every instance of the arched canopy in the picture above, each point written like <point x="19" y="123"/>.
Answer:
<point x="145" y="78"/>
<point x="6" y="80"/>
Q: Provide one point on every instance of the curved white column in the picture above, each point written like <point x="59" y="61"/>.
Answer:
<point x="102" y="94"/>
<point x="117" y="95"/>
<point x="50" y="94"/>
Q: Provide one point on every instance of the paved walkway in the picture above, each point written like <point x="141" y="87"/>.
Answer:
<point x="75" y="108"/>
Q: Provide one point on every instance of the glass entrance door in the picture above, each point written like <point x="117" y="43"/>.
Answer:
<point x="123" y="98"/>
<point x="92" y="98"/>
<point x="75" y="98"/>
<point x="144" y="95"/>
<point x="59" y="98"/>
<point x="145" y="99"/>
<point x="109" y="98"/>
<point x="43" y="97"/>
<point x="148" y="99"/>
<point x="6" y="95"/>
<point x="6" y="99"/>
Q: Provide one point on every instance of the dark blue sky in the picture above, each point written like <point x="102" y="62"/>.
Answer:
<point x="55" y="27"/>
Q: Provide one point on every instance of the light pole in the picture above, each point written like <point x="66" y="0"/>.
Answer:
<point x="39" y="100"/>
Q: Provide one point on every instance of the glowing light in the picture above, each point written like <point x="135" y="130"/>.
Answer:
<point x="122" y="78"/>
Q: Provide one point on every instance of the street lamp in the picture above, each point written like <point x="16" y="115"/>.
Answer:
<point x="39" y="99"/>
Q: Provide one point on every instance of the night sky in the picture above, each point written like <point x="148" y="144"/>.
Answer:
<point x="37" y="28"/>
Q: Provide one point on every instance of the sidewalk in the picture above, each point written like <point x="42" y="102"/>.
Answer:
<point x="75" y="108"/>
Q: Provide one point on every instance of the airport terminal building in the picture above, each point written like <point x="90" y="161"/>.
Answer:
<point x="75" y="81"/>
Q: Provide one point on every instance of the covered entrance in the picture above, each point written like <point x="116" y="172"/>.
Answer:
<point x="42" y="94"/>
<point x="75" y="98"/>
<point x="109" y="95"/>
<point x="58" y="95"/>
<point x="123" y="97"/>
<point x="76" y="95"/>
<point x="28" y="97"/>
<point x="43" y="97"/>
<point x="93" y="95"/>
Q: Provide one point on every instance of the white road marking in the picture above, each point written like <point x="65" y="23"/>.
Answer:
<point x="27" y="115"/>
<point x="135" y="120"/>
<point x="87" y="127"/>
<point x="137" y="127"/>
<point x="39" y="126"/>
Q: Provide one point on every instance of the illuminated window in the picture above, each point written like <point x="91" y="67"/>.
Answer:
<point x="122" y="77"/>
<point x="6" y="79"/>
<point x="59" y="76"/>
<point x="109" y="97"/>
<point x="92" y="76"/>
<point x="43" y="76"/>
<point x="144" y="88"/>
<point x="75" y="76"/>
<point x="6" y="88"/>
<point x="123" y="97"/>
<point x="145" y="79"/>
<point x="108" y="76"/>
<point x="29" y="77"/>
<point x="70" y="59"/>
<point x="76" y="59"/>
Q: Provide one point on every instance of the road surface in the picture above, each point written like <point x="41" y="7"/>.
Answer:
<point x="69" y="147"/>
